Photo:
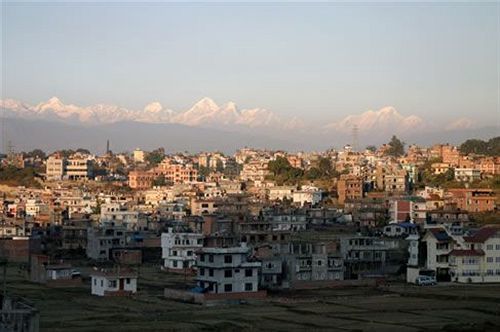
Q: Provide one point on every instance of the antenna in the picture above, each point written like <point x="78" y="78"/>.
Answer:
<point x="107" y="146"/>
<point x="355" y="132"/>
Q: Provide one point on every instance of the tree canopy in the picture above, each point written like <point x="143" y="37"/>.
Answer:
<point x="477" y="146"/>
<point x="396" y="147"/>
<point x="156" y="156"/>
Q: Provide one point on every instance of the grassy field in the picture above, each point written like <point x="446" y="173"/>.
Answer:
<point x="394" y="308"/>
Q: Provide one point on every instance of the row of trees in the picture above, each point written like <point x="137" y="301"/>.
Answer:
<point x="477" y="146"/>
<point x="284" y="173"/>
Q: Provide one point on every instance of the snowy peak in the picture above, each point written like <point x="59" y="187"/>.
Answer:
<point x="460" y="124"/>
<point x="206" y="113"/>
<point x="387" y="118"/>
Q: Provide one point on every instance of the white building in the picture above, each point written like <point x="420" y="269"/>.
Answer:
<point x="139" y="156"/>
<point x="113" y="283"/>
<point x="307" y="196"/>
<point x="35" y="207"/>
<point x="479" y="260"/>
<point x="115" y="214"/>
<point x="281" y="192"/>
<point x="55" y="168"/>
<point x="467" y="174"/>
<point x="412" y="268"/>
<point x="227" y="270"/>
<point x="179" y="249"/>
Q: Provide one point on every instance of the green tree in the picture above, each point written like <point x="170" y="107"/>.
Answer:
<point x="159" y="181"/>
<point x="371" y="148"/>
<point x="283" y="172"/>
<point x="477" y="146"/>
<point x="36" y="153"/>
<point x="325" y="166"/>
<point x="155" y="157"/>
<point x="203" y="172"/>
<point x="396" y="147"/>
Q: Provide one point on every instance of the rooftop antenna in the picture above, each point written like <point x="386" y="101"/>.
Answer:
<point x="355" y="133"/>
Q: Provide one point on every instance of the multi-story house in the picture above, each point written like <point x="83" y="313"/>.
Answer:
<point x="101" y="241"/>
<point x="78" y="168"/>
<point x="467" y="174"/>
<point x="141" y="179"/>
<point x="349" y="187"/>
<point x="179" y="249"/>
<point x="479" y="260"/>
<point x="281" y="192"/>
<point x="227" y="270"/>
<point x="176" y="173"/>
<point x="113" y="214"/>
<point x="439" y="244"/>
<point x="473" y="200"/>
<point x="55" y="167"/>
<point x="396" y="181"/>
<point x="365" y="255"/>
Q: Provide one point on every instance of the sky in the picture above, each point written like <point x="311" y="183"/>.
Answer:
<point x="320" y="62"/>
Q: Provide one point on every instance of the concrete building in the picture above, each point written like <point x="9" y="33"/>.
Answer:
<point x="349" y="187"/>
<point x="311" y="196"/>
<point x="280" y="193"/>
<point x="479" y="260"/>
<point x="139" y="156"/>
<point x="467" y="174"/>
<point x="113" y="283"/>
<point x="55" y="168"/>
<point x="227" y="270"/>
<point x="78" y="168"/>
<point x="141" y="179"/>
<point x="439" y="244"/>
<point x="396" y="181"/>
<point x="176" y="173"/>
<point x="473" y="200"/>
<point x="100" y="242"/>
<point x="179" y="249"/>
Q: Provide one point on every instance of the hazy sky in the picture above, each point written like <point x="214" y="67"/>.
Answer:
<point x="317" y="61"/>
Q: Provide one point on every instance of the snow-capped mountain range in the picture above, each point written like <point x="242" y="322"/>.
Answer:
<point x="207" y="113"/>
<point x="206" y="126"/>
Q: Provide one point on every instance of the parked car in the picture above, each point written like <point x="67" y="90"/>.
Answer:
<point x="426" y="281"/>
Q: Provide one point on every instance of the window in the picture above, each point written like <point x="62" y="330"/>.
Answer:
<point x="127" y="281"/>
<point x="489" y="259"/>
<point x="202" y="271"/>
<point x="190" y="253"/>
<point x="202" y="258"/>
<point x="228" y="273"/>
<point x="319" y="263"/>
<point x="102" y="283"/>
<point x="489" y="247"/>
<point x="174" y="263"/>
<point x="228" y="259"/>
<point x="211" y="272"/>
<point x="248" y="287"/>
<point x="112" y="283"/>
<point x="228" y="288"/>
<point x="95" y="282"/>
<point x="211" y="258"/>
<point x="497" y="259"/>
<point x="248" y="272"/>
<point x="174" y="253"/>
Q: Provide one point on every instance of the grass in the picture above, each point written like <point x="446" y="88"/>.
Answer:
<point x="74" y="309"/>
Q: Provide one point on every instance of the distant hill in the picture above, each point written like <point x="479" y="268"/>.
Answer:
<point x="126" y="136"/>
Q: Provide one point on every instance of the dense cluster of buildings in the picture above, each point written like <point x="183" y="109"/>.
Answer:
<point x="228" y="224"/>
